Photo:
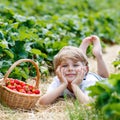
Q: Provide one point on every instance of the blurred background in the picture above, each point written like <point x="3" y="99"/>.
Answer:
<point x="38" y="29"/>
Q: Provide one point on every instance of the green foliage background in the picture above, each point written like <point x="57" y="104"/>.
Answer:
<point x="37" y="29"/>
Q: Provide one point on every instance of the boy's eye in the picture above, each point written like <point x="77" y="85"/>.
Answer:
<point x="75" y="65"/>
<point x="64" y="65"/>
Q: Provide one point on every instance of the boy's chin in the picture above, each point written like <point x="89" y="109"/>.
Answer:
<point x="70" y="80"/>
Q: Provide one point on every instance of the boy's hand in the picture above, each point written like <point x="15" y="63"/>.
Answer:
<point x="60" y="74"/>
<point x="80" y="75"/>
<point x="94" y="37"/>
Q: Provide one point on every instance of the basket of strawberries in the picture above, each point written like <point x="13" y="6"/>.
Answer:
<point x="18" y="94"/>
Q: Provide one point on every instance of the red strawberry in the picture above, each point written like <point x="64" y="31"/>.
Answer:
<point x="22" y="91"/>
<point x="14" y="90"/>
<point x="26" y="88"/>
<point x="16" y="81"/>
<point x="29" y="92"/>
<point x="31" y="87"/>
<point x="12" y="82"/>
<point x="18" y="87"/>
<point x="22" y="83"/>
<point x="7" y="82"/>
<point x="11" y="87"/>
<point x="36" y="91"/>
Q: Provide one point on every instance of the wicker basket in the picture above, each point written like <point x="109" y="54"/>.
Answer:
<point x="14" y="99"/>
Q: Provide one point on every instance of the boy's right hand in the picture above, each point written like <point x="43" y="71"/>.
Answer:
<point x="60" y="73"/>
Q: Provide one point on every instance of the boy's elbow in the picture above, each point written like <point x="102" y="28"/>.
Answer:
<point x="43" y="101"/>
<point x="105" y="75"/>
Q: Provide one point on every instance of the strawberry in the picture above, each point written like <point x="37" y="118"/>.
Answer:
<point x="18" y="87"/>
<point x="12" y="82"/>
<point x="11" y="87"/>
<point x="22" y="91"/>
<point x="26" y="88"/>
<point x="31" y="87"/>
<point x="22" y="83"/>
<point x="16" y="81"/>
<point x="7" y="82"/>
<point x="29" y="92"/>
<point x="14" y="90"/>
<point x="36" y="91"/>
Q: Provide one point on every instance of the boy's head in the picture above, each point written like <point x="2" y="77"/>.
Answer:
<point x="70" y="52"/>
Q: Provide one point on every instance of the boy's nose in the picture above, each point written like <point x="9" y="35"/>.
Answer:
<point x="70" y="68"/>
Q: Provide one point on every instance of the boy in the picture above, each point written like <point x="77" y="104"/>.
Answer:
<point x="72" y="72"/>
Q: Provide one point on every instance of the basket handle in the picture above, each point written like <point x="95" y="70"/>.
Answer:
<point x="17" y="63"/>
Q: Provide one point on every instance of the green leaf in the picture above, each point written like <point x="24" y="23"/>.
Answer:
<point x="4" y="44"/>
<point x="116" y="63"/>
<point x="114" y="78"/>
<point x="38" y="52"/>
<point x="112" y="110"/>
<point x="35" y="51"/>
<point x="1" y="35"/>
<point x="15" y="25"/>
<point x="9" y="53"/>
<point x="20" y="18"/>
<point x="100" y="87"/>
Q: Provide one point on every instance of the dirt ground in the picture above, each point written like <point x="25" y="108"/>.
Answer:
<point x="109" y="55"/>
<point x="57" y="111"/>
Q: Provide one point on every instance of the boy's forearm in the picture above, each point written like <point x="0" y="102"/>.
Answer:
<point x="102" y="68"/>
<point x="52" y="96"/>
<point x="79" y="94"/>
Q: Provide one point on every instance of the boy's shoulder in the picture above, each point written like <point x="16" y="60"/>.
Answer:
<point x="91" y="76"/>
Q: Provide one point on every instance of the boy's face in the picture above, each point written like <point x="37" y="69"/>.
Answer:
<point x="70" y="69"/>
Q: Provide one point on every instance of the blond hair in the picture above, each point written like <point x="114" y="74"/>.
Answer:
<point x="70" y="52"/>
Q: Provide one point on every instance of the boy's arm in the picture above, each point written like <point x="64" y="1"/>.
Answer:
<point x="97" y="51"/>
<point x="80" y="95"/>
<point x="52" y="95"/>
<point x="102" y="68"/>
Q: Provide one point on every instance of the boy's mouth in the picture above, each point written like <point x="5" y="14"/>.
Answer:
<point x="70" y="74"/>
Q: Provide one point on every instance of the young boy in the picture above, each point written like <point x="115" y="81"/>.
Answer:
<point x="72" y="72"/>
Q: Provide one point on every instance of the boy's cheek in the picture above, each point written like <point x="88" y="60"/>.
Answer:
<point x="64" y="69"/>
<point x="78" y="70"/>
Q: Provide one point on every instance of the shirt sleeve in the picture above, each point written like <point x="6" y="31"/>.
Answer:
<point x="55" y="83"/>
<point x="90" y="80"/>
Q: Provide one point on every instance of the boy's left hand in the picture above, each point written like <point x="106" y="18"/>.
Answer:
<point x="80" y="75"/>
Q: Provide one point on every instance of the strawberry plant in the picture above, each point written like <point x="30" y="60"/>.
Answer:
<point x="107" y="96"/>
<point x="29" y="30"/>
<point x="116" y="63"/>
